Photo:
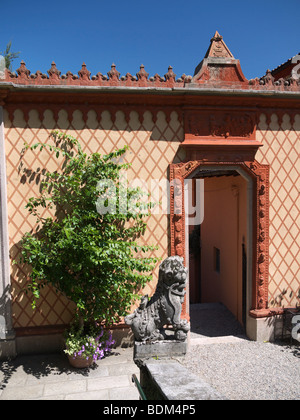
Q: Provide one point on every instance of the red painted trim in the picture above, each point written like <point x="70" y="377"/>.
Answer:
<point x="264" y="313"/>
<point x="46" y="330"/>
<point x="232" y="77"/>
<point x="260" y="175"/>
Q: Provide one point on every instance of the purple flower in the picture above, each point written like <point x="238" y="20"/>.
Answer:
<point x="99" y="336"/>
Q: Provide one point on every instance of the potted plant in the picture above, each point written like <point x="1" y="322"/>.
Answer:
<point x="87" y="247"/>
<point x="87" y="343"/>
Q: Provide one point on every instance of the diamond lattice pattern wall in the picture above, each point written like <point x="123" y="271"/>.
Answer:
<point x="152" y="147"/>
<point x="281" y="151"/>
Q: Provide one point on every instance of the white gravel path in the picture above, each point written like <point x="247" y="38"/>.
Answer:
<point x="247" y="370"/>
<point x="238" y="368"/>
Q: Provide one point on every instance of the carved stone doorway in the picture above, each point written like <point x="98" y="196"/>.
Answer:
<point x="257" y="178"/>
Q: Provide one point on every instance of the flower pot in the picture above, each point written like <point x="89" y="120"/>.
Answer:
<point x="80" y="362"/>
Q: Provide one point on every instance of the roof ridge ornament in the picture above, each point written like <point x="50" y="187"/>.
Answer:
<point x="53" y="72"/>
<point x="170" y="74"/>
<point x="113" y="73"/>
<point x="219" y="67"/>
<point x="142" y="74"/>
<point x="22" y="71"/>
<point x="84" y="74"/>
<point x="217" y="37"/>
<point x="218" y="48"/>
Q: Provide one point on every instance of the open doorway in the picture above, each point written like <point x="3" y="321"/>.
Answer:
<point x="218" y="248"/>
<point x="256" y="246"/>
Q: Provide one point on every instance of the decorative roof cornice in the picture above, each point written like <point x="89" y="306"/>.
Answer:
<point x="286" y="63"/>
<point x="23" y="76"/>
<point x="268" y="82"/>
<point x="218" y="70"/>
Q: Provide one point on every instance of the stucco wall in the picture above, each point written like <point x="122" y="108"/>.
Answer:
<point x="281" y="151"/>
<point x="152" y="147"/>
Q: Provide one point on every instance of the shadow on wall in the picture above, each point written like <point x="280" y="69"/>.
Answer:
<point x="159" y="126"/>
<point x="52" y="308"/>
<point x="153" y="140"/>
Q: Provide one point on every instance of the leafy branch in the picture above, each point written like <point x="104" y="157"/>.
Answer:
<point x="9" y="56"/>
<point x="92" y="258"/>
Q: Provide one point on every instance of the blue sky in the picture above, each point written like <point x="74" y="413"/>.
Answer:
<point x="261" y="34"/>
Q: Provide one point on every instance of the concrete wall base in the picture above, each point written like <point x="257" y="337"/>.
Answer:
<point x="52" y="343"/>
<point x="39" y="344"/>
<point x="264" y="329"/>
<point x="8" y="349"/>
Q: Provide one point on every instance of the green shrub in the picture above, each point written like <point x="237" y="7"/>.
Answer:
<point x="93" y="259"/>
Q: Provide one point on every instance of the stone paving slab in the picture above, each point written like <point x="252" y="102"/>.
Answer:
<point x="51" y="377"/>
<point x="187" y="385"/>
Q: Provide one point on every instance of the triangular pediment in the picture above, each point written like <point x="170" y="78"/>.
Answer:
<point x="218" y="48"/>
<point x="219" y="65"/>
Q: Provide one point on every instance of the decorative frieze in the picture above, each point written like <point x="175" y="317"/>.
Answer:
<point x="220" y="125"/>
<point x="70" y="109"/>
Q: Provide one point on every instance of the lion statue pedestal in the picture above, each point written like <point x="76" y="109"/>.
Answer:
<point x="156" y="324"/>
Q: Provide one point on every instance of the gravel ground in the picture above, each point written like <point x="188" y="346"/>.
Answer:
<point x="248" y="370"/>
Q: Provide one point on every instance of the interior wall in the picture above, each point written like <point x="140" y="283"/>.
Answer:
<point x="223" y="231"/>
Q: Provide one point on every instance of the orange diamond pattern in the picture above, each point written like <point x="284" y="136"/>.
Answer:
<point x="281" y="151"/>
<point x="152" y="147"/>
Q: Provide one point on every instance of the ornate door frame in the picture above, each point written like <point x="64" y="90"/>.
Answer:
<point x="259" y="174"/>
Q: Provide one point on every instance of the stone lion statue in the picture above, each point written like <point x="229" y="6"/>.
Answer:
<point x="164" y="308"/>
